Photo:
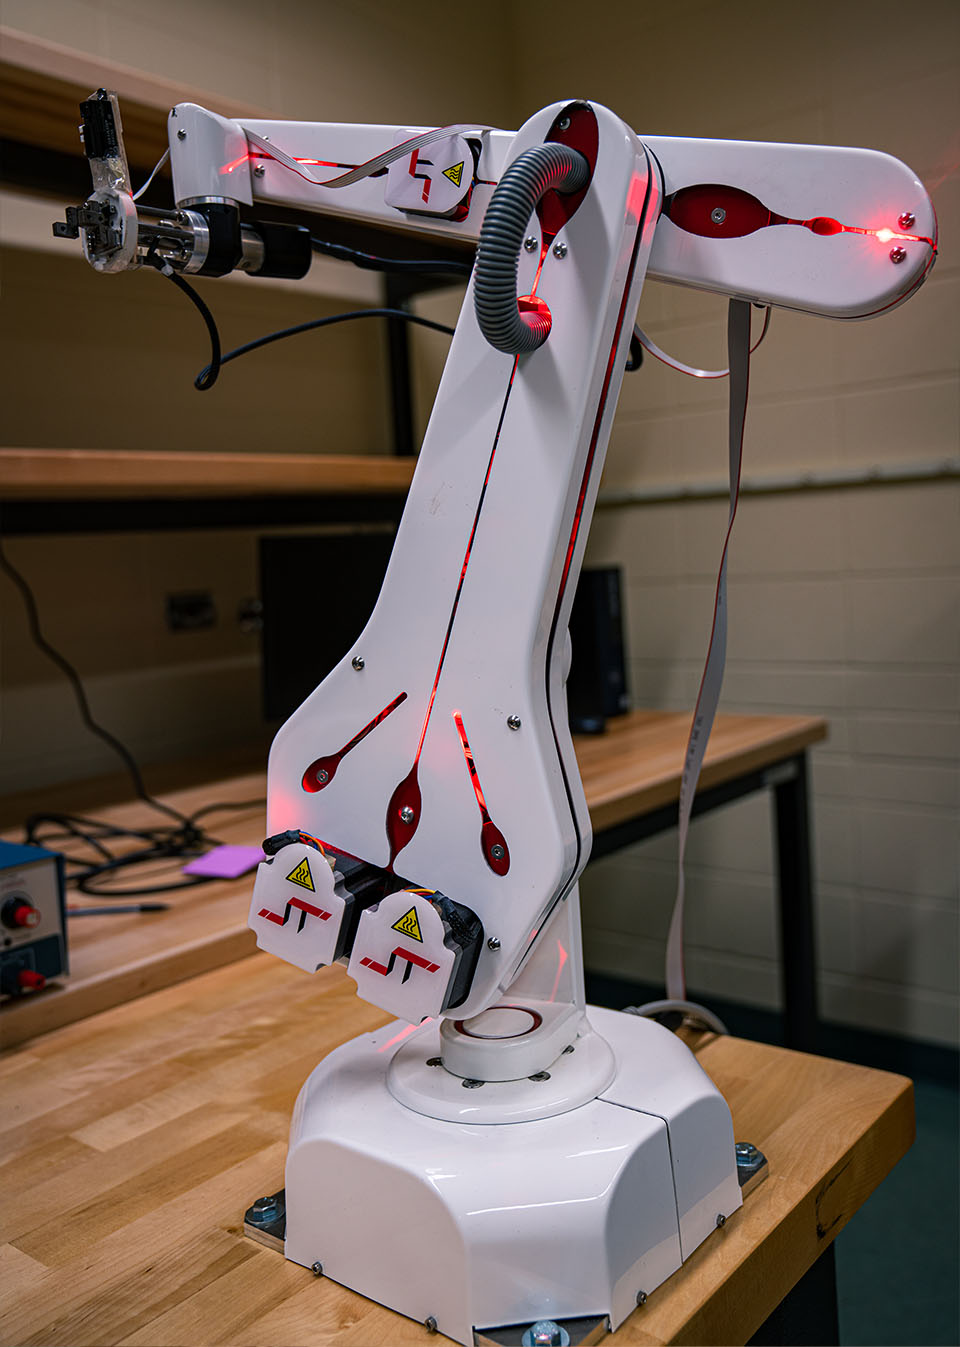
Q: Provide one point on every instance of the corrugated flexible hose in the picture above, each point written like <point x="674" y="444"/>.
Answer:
<point x="532" y="174"/>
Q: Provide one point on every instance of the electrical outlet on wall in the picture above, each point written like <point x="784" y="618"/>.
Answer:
<point x="191" y="610"/>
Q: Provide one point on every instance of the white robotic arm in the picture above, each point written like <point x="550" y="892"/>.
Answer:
<point x="427" y="819"/>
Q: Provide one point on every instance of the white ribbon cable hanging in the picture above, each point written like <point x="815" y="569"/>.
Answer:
<point x="708" y="698"/>
<point x="371" y="166"/>
<point x="650" y="345"/>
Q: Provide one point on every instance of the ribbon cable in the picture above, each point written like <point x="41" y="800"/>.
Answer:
<point x="708" y="698"/>
<point x="371" y="166"/>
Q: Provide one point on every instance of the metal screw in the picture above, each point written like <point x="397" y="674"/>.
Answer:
<point x="641" y="1297"/>
<point x="898" y="254"/>
<point x="721" y="1221"/>
<point x="317" y="1269"/>
<point x="430" y="1324"/>
<point x="434" y="1061"/>
<point x="406" y="814"/>
<point x="563" y="124"/>
<point x="907" y="220"/>
<point x="493" y="943"/>
<point x="259" y="170"/>
<point x="497" y="852"/>
<point x="560" y="250"/>
<point x="539" y="1075"/>
<point x="718" y="215"/>
<point x="323" y="776"/>
<point x="513" y="722"/>
<point x="358" y="662"/>
<point x="181" y="134"/>
<point x="746" y="1148"/>
<point x="264" y="1203"/>
<point x="470" y="1084"/>
<point x="544" y="1333"/>
<point x="530" y="243"/>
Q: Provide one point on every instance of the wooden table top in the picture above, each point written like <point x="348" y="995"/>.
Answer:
<point x="631" y="769"/>
<point x="133" y="1141"/>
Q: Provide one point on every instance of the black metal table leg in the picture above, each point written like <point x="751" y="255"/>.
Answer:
<point x="808" y="1315"/>
<point x="798" y="951"/>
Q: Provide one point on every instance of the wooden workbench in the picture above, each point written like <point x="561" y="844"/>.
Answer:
<point x="628" y="772"/>
<point x="133" y="1141"/>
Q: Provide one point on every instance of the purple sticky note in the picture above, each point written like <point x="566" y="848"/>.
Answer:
<point x="226" y="862"/>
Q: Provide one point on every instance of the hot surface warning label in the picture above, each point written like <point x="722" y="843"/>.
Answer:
<point x="408" y="925"/>
<point x="301" y="875"/>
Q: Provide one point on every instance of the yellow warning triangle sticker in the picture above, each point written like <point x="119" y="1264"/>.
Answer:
<point x="301" y="875"/>
<point x="454" y="174"/>
<point x="408" y="924"/>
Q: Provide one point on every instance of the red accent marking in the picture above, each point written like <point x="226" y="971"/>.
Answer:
<point x="406" y="796"/>
<point x="408" y="954"/>
<point x="690" y="209"/>
<point x="298" y="903"/>
<point x="311" y="780"/>
<point x="554" y="208"/>
<point x="490" y="834"/>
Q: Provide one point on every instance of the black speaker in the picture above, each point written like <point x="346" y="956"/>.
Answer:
<point x="317" y="591"/>
<point x="597" y="685"/>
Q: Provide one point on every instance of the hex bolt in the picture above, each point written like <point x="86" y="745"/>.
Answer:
<point x="434" y="1061"/>
<point x="898" y="254"/>
<point x="317" y="1269"/>
<point x="513" y="722"/>
<point x="746" y="1148"/>
<point x="539" y="1076"/>
<point x="530" y="243"/>
<point x="718" y="215"/>
<point x="358" y="662"/>
<point x="907" y="220"/>
<point x="497" y="852"/>
<point x="721" y="1221"/>
<point x="471" y="1084"/>
<point x="181" y="134"/>
<point x="560" y="250"/>
<point x="545" y="1333"/>
<point x="259" y="170"/>
<point x="323" y="776"/>
<point x="430" y="1323"/>
<point x="641" y="1297"/>
<point x="406" y="814"/>
<point x="493" y="943"/>
<point x="264" y="1203"/>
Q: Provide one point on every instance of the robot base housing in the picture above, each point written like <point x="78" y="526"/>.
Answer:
<point x="489" y="1224"/>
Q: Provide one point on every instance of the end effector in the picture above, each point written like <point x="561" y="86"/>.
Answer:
<point x="204" y="236"/>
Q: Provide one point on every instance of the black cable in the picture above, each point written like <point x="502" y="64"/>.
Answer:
<point x="210" y="372"/>
<point x="67" y="669"/>
<point x="371" y="262"/>
<point x="202" y="383"/>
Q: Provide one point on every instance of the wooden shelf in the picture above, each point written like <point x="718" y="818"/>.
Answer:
<point x="79" y="474"/>
<point x="42" y="84"/>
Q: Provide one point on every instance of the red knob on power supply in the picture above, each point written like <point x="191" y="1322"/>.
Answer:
<point x="18" y="913"/>
<point x="29" y="981"/>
